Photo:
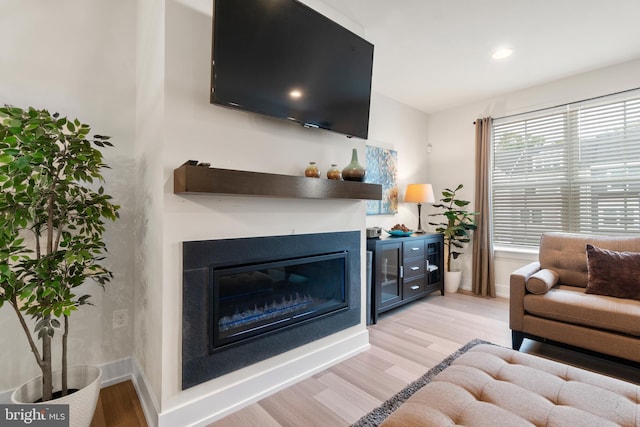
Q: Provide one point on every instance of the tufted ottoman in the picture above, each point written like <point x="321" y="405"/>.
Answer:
<point x="495" y="386"/>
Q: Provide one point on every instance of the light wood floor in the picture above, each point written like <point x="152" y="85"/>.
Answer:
<point x="405" y="344"/>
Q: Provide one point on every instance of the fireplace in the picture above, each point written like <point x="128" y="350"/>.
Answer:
<point x="245" y="300"/>
<point x="251" y="300"/>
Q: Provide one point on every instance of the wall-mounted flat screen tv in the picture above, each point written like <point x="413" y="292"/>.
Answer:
<point x="282" y="59"/>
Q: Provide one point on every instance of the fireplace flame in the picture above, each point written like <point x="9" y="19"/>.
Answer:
<point x="274" y="310"/>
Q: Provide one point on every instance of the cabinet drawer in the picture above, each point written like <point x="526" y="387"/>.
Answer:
<point x="412" y="288"/>
<point x="413" y="267"/>
<point x="413" y="249"/>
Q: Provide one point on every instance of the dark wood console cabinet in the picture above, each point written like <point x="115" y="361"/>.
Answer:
<point x="404" y="269"/>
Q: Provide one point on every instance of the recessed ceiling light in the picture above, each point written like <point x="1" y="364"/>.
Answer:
<point x="295" y="93"/>
<point x="502" y="53"/>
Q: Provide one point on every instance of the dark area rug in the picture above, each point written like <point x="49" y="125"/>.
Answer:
<point x="379" y="414"/>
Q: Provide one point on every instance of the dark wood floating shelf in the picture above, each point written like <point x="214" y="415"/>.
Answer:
<point x="189" y="179"/>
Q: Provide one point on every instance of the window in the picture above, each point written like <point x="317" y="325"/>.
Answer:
<point x="574" y="168"/>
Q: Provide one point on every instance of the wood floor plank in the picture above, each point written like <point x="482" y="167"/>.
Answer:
<point x="402" y="374"/>
<point x="344" y="398"/>
<point x="350" y="392"/>
<point x="291" y="408"/>
<point x="373" y="360"/>
<point x="118" y="406"/>
<point x="374" y="382"/>
<point x="251" y="416"/>
<point x="410" y="351"/>
<point x="311" y="385"/>
<point x="397" y="360"/>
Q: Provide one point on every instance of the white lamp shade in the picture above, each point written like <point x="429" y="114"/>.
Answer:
<point x="419" y="193"/>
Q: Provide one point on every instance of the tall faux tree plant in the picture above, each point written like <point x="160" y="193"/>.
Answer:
<point x="52" y="213"/>
<point x="456" y="224"/>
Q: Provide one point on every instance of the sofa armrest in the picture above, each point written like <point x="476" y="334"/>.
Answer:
<point x="517" y="291"/>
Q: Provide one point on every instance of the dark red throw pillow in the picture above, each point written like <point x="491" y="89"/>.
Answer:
<point x="613" y="273"/>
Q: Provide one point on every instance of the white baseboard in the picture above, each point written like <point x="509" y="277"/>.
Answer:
<point x="116" y="372"/>
<point x="199" y="412"/>
<point x="149" y="404"/>
<point x="502" y="290"/>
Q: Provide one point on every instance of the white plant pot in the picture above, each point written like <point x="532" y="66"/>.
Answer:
<point x="452" y="281"/>
<point x="82" y="403"/>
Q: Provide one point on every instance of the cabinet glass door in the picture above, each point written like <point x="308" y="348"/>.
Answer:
<point x="389" y="268"/>
<point x="434" y="269"/>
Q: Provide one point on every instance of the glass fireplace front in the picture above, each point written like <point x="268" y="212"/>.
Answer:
<point x="252" y="300"/>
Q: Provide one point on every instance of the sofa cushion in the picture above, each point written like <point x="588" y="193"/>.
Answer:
<point x="572" y="304"/>
<point x="566" y="254"/>
<point x="542" y="281"/>
<point x="613" y="273"/>
<point x="495" y="386"/>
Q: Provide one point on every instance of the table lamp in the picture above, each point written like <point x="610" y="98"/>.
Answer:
<point x="419" y="193"/>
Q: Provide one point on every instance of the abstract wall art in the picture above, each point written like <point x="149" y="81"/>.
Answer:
<point x="382" y="168"/>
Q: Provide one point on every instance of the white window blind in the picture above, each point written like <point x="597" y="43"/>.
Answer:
<point x="574" y="168"/>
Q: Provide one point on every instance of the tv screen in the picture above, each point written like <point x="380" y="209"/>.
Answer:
<point x="282" y="59"/>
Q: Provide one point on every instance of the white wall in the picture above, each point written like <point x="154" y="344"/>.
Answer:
<point x="404" y="129"/>
<point x="76" y="57"/>
<point x="452" y="135"/>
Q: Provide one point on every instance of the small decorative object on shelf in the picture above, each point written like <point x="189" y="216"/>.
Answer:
<point x="312" y="171"/>
<point x="399" y="230"/>
<point x="354" y="171"/>
<point x="334" y="173"/>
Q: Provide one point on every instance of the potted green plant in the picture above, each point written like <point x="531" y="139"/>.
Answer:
<point x="52" y="214"/>
<point x="456" y="225"/>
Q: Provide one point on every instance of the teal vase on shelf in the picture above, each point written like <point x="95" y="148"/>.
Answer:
<point x="354" y="171"/>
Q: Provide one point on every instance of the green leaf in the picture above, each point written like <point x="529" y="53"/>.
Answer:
<point x="42" y="333"/>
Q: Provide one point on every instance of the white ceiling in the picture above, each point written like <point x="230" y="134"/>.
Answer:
<point x="436" y="54"/>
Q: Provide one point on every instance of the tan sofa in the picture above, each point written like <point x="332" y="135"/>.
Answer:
<point x="561" y="309"/>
